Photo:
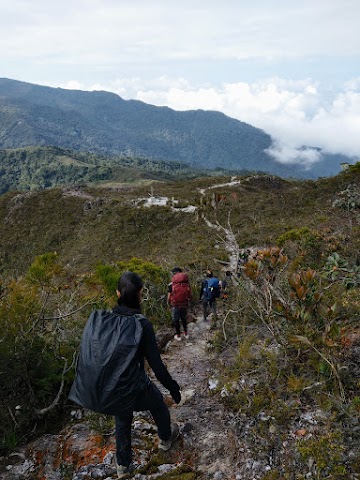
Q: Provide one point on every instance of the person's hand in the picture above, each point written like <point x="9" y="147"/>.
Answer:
<point x="176" y="395"/>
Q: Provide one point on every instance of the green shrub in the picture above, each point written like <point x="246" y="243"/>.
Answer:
<point x="293" y="234"/>
<point x="155" y="278"/>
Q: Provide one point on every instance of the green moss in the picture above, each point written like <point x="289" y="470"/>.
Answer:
<point x="327" y="451"/>
<point x="152" y="465"/>
<point x="102" y="424"/>
<point x="183" y="472"/>
<point x="293" y="234"/>
<point x="273" y="475"/>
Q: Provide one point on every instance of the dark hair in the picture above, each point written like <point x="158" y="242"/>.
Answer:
<point x="129" y="285"/>
<point x="176" y="270"/>
<point x="209" y="273"/>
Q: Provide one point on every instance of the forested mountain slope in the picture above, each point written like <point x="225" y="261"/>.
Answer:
<point x="36" y="168"/>
<point x="102" y="122"/>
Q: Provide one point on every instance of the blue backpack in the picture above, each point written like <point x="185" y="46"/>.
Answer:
<point x="212" y="288"/>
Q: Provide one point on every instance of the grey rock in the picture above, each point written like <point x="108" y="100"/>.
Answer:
<point x="108" y="458"/>
<point x="218" y="476"/>
<point x="98" y="473"/>
<point x="81" y="475"/>
<point x="165" y="467"/>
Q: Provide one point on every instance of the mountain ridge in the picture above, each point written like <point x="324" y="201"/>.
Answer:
<point x="104" y="123"/>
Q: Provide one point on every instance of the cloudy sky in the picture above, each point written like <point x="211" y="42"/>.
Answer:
<point x="290" y="68"/>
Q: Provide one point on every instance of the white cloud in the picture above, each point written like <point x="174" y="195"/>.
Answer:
<point x="284" y="153"/>
<point x="298" y="115"/>
<point x="203" y="54"/>
<point x="109" y="32"/>
<point x="353" y="84"/>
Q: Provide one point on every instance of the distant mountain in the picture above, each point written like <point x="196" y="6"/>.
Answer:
<point x="104" y="123"/>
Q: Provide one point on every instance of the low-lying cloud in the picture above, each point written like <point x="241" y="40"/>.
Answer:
<point x="301" y="116"/>
<point x="292" y="155"/>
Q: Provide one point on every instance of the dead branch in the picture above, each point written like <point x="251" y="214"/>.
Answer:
<point x="12" y="416"/>
<point x="225" y="318"/>
<point x="42" y="411"/>
<point x="39" y="317"/>
<point x="59" y="317"/>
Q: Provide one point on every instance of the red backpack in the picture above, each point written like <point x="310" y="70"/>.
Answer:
<point x="180" y="290"/>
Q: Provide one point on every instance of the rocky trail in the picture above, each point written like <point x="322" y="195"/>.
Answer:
<point x="207" y="428"/>
<point x="206" y="448"/>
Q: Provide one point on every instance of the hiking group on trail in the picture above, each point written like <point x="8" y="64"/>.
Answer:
<point x="179" y="298"/>
<point x="110" y="373"/>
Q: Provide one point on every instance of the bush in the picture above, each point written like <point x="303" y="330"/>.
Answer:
<point x="37" y="347"/>
<point x="155" y="278"/>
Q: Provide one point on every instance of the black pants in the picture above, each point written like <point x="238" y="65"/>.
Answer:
<point x="179" y="313"/>
<point x="209" y="305"/>
<point x="149" y="399"/>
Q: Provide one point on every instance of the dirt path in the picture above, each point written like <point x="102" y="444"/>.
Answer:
<point x="208" y="429"/>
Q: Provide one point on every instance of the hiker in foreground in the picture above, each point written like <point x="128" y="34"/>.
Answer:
<point x="111" y="378"/>
<point x="209" y="292"/>
<point x="179" y="297"/>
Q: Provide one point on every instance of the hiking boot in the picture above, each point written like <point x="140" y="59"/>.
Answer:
<point x="175" y="432"/>
<point x="177" y="337"/>
<point x="122" y="471"/>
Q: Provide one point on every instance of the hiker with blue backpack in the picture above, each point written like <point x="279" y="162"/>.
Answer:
<point x="210" y="291"/>
<point x="110" y="374"/>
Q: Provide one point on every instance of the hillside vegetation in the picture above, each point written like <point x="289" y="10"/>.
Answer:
<point x="35" y="168"/>
<point x="104" y="123"/>
<point x="287" y="347"/>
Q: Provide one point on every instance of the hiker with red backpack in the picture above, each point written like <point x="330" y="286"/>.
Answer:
<point x="210" y="291"/>
<point x="179" y="297"/>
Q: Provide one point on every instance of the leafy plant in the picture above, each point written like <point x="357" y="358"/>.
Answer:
<point x="348" y="199"/>
<point x="337" y="268"/>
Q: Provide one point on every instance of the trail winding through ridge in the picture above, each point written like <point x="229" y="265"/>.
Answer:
<point x="230" y="242"/>
<point x="208" y="438"/>
<point x="211" y="438"/>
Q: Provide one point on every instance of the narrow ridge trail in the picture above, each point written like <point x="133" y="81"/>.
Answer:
<point x="211" y="437"/>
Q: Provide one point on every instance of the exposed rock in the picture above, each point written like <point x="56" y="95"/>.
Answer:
<point x="163" y="337"/>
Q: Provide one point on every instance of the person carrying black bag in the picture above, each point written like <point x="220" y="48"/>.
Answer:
<point x="110" y="375"/>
